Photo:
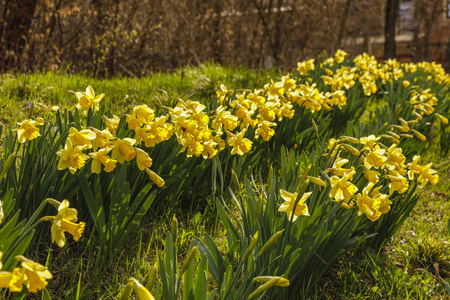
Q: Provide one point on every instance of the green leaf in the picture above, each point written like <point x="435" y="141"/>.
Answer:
<point x="201" y="280"/>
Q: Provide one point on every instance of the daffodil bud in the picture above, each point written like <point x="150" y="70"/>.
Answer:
<point x="350" y="139"/>
<point x="351" y="149"/>
<point x="419" y="135"/>
<point x="174" y="229"/>
<point x="315" y="127"/>
<point x="390" y="138"/>
<point x="251" y="246"/>
<point x="419" y="116"/>
<point x="424" y="111"/>
<point x="408" y="136"/>
<point x="127" y="290"/>
<point x="264" y="287"/>
<point x="189" y="258"/>
<point x="155" y="177"/>
<point x="317" y="181"/>
<point x="152" y="277"/>
<point x="304" y="177"/>
<point x="443" y="119"/>
<point x="7" y="165"/>
<point x="393" y="134"/>
<point x="281" y="282"/>
<point x="270" y="242"/>
<point x="382" y="128"/>
<point x="141" y="291"/>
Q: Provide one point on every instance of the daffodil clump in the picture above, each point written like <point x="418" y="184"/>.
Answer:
<point x="384" y="168"/>
<point x="105" y="148"/>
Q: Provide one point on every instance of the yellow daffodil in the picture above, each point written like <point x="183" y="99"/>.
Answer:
<point x="36" y="275"/>
<point x="337" y="167"/>
<point x="369" y="141"/>
<point x="88" y="100"/>
<point x="397" y="182"/>
<point x="28" y="130"/>
<point x="342" y="189"/>
<point x="102" y="139"/>
<point x="12" y="280"/>
<point x="123" y="150"/>
<point x="239" y="143"/>
<point x="111" y="123"/>
<point x="81" y="138"/>
<point x="426" y="174"/>
<point x="367" y="205"/>
<point x="143" y="160"/>
<point x="101" y="158"/>
<point x="375" y="158"/>
<point x="340" y="55"/>
<point x="301" y="209"/>
<point x="305" y="66"/>
<point x="71" y="157"/>
<point x="395" y="159"/>
<point x="263" y="129"/>
<point x="64" y="221"/>
<point x="223" y="117"/>
<point x="371" y="175"/>
<point x="383" y="198"/>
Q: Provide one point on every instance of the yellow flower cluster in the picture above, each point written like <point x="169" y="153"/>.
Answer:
<point x="30" y="274"/>
<point x="378" y="162"/>
<point x="148" y="130"/>
<point x="238" y="116"/>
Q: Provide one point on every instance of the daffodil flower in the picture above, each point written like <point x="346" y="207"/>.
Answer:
<point x="301" y="209"/>
<point x="71" y="157"/>
<point x="36" y="275"/>
<point x="64" y="221"/>
<point x="101" y="158"/>
<point x="88" y="100"/>
<point x="28" y="130"/>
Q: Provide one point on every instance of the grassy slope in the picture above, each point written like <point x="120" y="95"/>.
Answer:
<point x="413" y="266"/>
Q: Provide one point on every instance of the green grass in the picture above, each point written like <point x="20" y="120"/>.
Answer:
<point x="46" y="89"/>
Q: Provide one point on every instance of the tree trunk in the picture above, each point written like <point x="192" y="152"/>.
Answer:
<point x="14" y="26"/>
<point x="392" y="7"/>
<point x="342" y="25"/>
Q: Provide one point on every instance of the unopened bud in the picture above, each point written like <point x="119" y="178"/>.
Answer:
<point x="174" y="229"/>
<point x="281" y="282"/>
<point x="270" y="242"/>
<point x="264" y="287"/>
<point x="317" y="181"/>
<point x="443" y="119"/>
<point x="189" y="258"/>
<point x="351" y="149"/>
<point x="7" y="165"/>
<point x="393" y="134"/>
<point x="251" y="246"/>
<point x="349" y="139"/>
<point x="155" y="177"/>
<point x="152" y="277"/>
<point x="419" y="135"/>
